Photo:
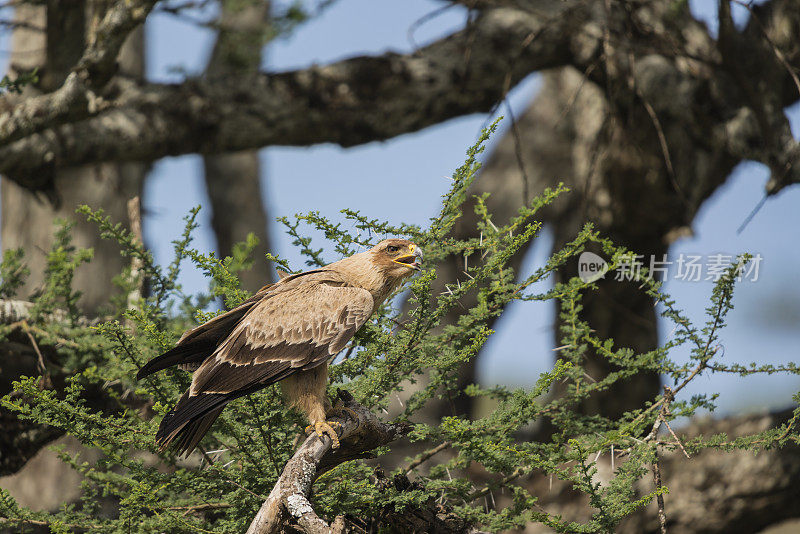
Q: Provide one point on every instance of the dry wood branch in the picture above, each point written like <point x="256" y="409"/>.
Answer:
<point x="135" y="220"/>
<point x="349" y="102"/>
<point x="361" y="432"/>
<point x="13" y="311"/>
<point x="662" y="516"/>
<point x="76" y="99"/>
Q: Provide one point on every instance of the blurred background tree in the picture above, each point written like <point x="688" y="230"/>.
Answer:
<point x="644" y="109"/>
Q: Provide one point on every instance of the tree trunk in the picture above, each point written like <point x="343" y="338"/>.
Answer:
<point x="27" y="217"/>
<point x="233" y="180"/>
<point x="623" y="179"/>
<point x="28" y="220"/>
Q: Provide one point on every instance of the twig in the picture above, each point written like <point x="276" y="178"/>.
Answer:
<point x="264" y="435"/>
<point x="752" y="214"/>
<point x="422" y="20"/>
<point x="518" y="153"/>
<point x="662" y="516"/>
<point x="667" y="399"/>
<point x="518" y="472"/>
<point x="46" y="381"/>
<point x="135" y="219"/>
<point x="701" y="365"/>
<point x="200" y="507"/>
<point x="662" y="140"/>
<point x="427" y="455"/>
<point x="576" y="93"/>
<point x="677" y="439"/>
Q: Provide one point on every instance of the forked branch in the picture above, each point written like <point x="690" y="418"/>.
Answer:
<point x="361" y="432"/>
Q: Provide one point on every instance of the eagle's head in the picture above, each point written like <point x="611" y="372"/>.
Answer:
<point x="397" y="258"/>
<point x="381" y="269"/>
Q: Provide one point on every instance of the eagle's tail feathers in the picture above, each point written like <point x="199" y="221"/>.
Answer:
<point x="192" y="433"/>
<point x="189" y="420"/>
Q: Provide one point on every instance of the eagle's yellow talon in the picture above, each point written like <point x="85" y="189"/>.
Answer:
<point x="326" y="427"/>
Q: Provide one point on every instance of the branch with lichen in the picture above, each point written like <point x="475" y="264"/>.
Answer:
<point x="361" y="431"/>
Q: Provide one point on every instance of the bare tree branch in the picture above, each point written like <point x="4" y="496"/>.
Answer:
<point x="77" y="98"/>
<point x="353" y="101"/>
<point x="360" y="433"/>
<point x="370" y="98"/>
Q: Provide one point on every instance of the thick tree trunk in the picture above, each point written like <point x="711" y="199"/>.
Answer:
<point x="642" y="193"/>
<point x="28" y="218"/>
<point x="233" y="180"/>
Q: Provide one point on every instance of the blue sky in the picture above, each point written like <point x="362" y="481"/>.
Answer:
<point x="412" y="171"/>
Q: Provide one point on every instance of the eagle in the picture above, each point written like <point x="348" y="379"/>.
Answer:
<point x="287" y="332"/>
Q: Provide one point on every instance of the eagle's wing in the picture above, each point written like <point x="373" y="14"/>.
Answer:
<point x="199" y="343"/>
<point x="295" y="328"/>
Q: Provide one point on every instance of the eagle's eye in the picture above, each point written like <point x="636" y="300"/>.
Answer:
<point x="391" y="249"/>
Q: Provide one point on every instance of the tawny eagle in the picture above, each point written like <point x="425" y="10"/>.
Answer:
<point x="286" y="332"/>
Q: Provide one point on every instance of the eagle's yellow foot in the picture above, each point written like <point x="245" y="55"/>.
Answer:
<point x="326" y="427"/>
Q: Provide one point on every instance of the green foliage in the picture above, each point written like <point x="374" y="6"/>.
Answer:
<point x="61" y="263"/>
<point x="221" y="489"/>
<point x="16" y="85"/>
<point x="13" y="272"/>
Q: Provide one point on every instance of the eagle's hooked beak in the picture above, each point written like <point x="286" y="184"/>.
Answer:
<point x="413" y="260"/>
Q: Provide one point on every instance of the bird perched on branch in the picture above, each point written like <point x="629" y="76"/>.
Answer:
<point x="286" y="332"/>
